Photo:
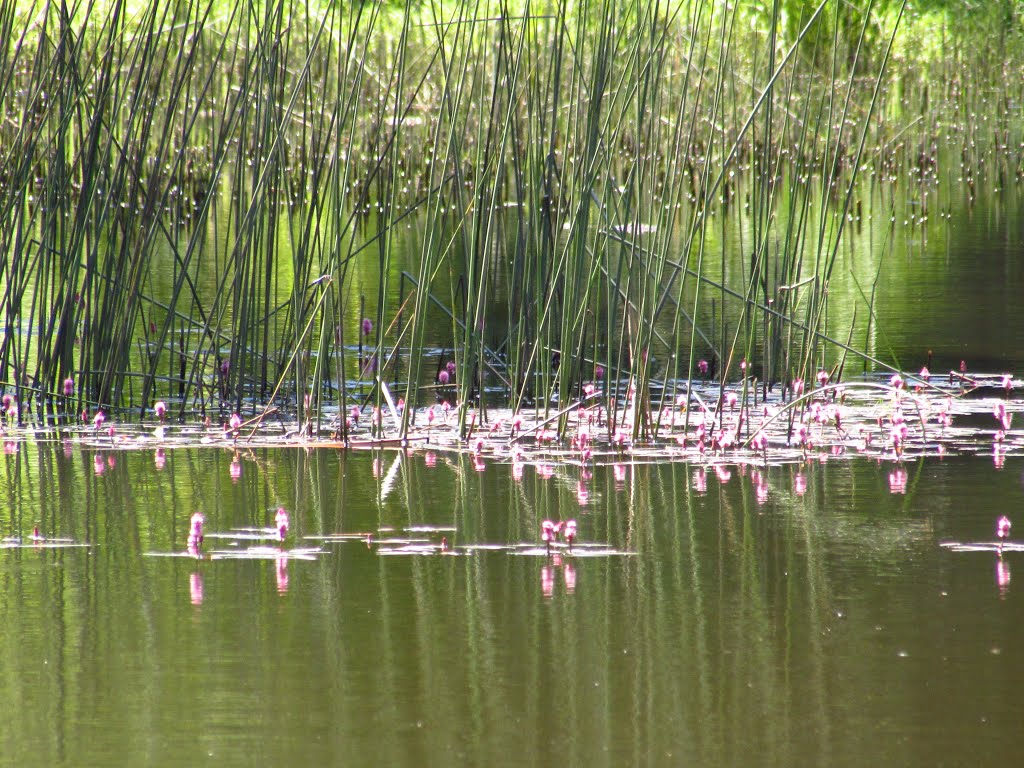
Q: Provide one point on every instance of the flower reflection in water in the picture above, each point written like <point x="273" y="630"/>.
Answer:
<point x="547" y="581"/>
<point x="898" y="481"/>
<point x="281" y="568"/>
<point x="195" y="584"/>
<point x="700" y="481"/>
<point x="569" y="573"/>
<point x="1002" y="576"/>
<point x="998" y="456"/>
<point x="760" y="486"/>
<point x="582" y="494"/>
<point x="548" y="574"/>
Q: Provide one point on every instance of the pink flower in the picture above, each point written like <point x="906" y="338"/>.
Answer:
<point x="598" y="372"/>
<point x="822" y="378"/>
<point x="281" y="523"/>
<point x="547" y="531"/>
<point x="1003" y="527"/>
<point x="570" y="532"/>
<point x="195" y="534"/>
<point x="702" y="367"/>
<point x="442" y="377"/>
<point x="367" y="326"/>
<point x="69" y="387"/>
<point x="898" y="436"/>
<point x="801" y="434"/>
<point x="160" y="409"/>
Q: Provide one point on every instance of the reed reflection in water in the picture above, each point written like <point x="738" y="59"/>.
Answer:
<point x="787" y="615"/>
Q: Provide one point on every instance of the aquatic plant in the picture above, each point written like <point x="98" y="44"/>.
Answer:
<point x="239" y="208"/>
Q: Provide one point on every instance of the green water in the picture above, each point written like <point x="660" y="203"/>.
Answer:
<point x="818" y="622"/>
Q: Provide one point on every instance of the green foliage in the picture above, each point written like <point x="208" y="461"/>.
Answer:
<point x="202" y="201"/>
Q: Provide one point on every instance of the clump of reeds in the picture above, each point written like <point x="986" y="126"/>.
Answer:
<point x="202" y="202"/>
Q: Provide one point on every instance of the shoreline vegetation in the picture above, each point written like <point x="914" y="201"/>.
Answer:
<point x="310" y="212"/>
<point x="895" y="420"/>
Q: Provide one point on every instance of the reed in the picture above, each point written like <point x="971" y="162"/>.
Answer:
<point x="195" y="197"/>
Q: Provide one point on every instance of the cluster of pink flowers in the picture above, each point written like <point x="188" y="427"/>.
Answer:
<point x="898" y="432"/>
<point x="551" y="531"/>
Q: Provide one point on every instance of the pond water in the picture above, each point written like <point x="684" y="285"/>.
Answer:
<point x="788" y="615"/>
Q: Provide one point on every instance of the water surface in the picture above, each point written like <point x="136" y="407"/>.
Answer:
<point x="786" y="615"/>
